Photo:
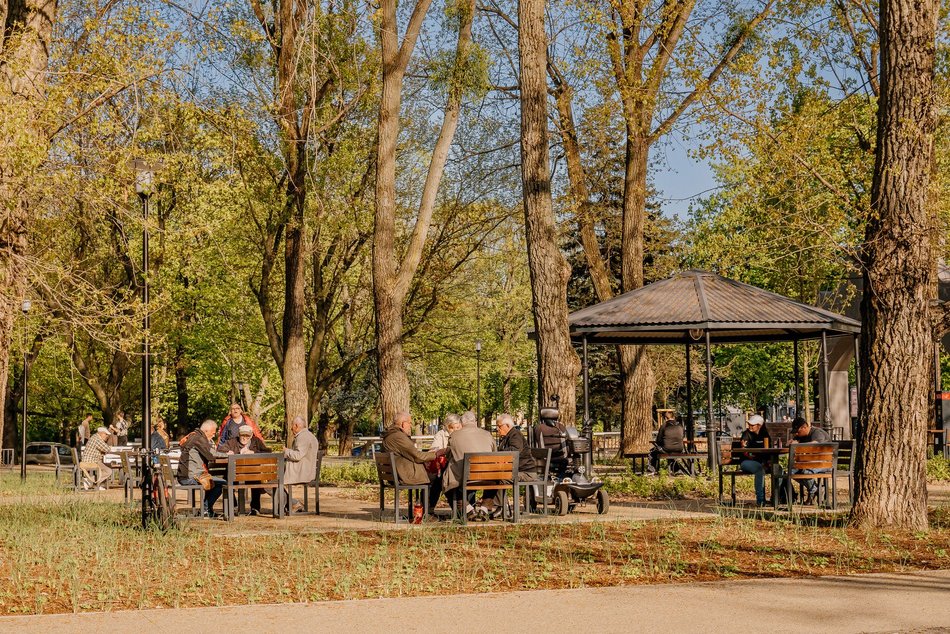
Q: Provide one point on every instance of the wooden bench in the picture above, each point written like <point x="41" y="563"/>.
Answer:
<point x="639" y="461"/>
<point x="254" y="471"/>
<point x="821" y="457"/>
<point x="489" y="471"/>
<point x="389" y="479"/>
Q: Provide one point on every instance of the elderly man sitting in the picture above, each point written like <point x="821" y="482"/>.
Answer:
<point x="196" y="452"/>
<point x="247" y="443"/>
<point x="510" y="439"/>
<point x="301" y="460"/>
<point x="468" y="439"/>
<point x="410" y="462"/>
<point x="92" y="459"/>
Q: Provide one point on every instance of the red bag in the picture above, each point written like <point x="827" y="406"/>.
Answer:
<point x="436" y="466"/>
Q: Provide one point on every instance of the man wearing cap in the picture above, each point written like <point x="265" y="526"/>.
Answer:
<point x="756" y="436"/>
<point x="804" y="432"/>
<point x="92" y="458"/>
<point x="247" y="443"/>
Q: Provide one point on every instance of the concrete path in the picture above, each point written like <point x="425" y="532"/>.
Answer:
<point x="918" y="602"/>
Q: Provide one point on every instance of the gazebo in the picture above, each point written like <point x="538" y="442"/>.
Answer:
<point x="699" y="307"/>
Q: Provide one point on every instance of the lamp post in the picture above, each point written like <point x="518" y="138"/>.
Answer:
<point x="144" y="187"/>
<point x="25" y="307"/>
<point x="478" y="380"/>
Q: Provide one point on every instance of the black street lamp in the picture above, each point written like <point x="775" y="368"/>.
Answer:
<point x="25" y="307"/>
<point x="144" y="187"/>
<point x="478" y="380"/>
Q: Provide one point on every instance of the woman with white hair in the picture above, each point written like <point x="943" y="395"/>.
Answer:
<point x="441" y="438"/>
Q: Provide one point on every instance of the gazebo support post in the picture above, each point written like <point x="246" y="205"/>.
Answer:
<point x="690" y="427"/>
<point x="825" y="382"/>
<point x="711" y="448"/>
<point x="798" y="391"/>
<point x="588" y="426"/>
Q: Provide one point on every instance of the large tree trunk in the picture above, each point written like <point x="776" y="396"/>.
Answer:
<point x="897" y="333"/>
<point x="558" y="364"/>
<point x="27" y="28"/>
<point x="392" y="276"/>
<point x="296" y="394"/>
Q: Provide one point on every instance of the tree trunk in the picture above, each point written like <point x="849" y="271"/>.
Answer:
<point x="639" y="383"/>
<point x="181" y="390"/>
<point x="899" y="284"/>
<point x="27" y="29"/>
<point x="558" y="364"/>
<point x="296" y="394"/>
<point x="392" y="276"/>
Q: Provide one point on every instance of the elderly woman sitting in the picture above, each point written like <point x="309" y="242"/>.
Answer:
<point x="441" y="439"/>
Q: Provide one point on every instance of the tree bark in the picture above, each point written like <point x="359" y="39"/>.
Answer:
<point x="899" y="282"/>
<point x="27" y="29"/>
<point x="391" y="276"/>
<point x="558" y="364"/>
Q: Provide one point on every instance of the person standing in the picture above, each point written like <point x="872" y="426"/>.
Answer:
<point x="300" y="466"/>
<point x="120" y="429"/>
<point x="84" y="432"/>
<point x="233" y="422"/>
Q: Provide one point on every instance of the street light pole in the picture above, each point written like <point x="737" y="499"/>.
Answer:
<point x="144" y="177"/>
<point x="25" y="307"/>
<point x="478" y="380"/>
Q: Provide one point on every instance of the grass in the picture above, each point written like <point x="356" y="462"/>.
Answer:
<point x="82" y="555"/>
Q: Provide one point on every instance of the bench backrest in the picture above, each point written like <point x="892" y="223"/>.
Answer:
<point x="845" y="461"/>
<point x="126" y="465"/>
<point x="542" y="458"/>
<point x="320" y="455"/>
<point x="812" y="456"/>
<point x="385" y="468"/>
<point x="725" y="453"/>
<point x="165" y="464"/>
<point x="257" y="468"/>
<point x="490" y="466"/>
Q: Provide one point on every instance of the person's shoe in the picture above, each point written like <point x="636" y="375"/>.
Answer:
<point x="101" y="488"/>
<point x="85" y="486"/>
<point x="495" y="513"/>
<point x="809" y="499"/>
<point x="254" y="512"/>
<point x="297" y="508"/>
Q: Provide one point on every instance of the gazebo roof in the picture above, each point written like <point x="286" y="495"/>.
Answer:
<point x="682" y="308"/>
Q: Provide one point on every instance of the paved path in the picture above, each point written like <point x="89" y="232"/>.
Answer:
<point x="918" y="602"/>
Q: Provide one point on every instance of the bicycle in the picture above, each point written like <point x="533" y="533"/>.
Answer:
<point x="160" y="509"/>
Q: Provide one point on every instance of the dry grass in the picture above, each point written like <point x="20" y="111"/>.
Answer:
<point x="83" y="555"/>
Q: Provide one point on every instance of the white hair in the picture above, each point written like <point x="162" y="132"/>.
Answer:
<point x="505" y="419"/>
<point x="453" y="421"/>
<point x="469" y="419"/>
<point x="298" y="421"/>
<point x="209" y="424"/>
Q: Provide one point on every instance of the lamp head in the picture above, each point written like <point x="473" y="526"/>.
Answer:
<point x="145" y="176"/>
<point x="26" y="306"/>
<point x="478" y="345"/>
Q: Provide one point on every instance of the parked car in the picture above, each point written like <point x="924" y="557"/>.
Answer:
<point x="45" y="453"/>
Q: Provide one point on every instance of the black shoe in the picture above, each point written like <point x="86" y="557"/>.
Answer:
<point x="809" y="499"/>
<point x="254" y="512"/>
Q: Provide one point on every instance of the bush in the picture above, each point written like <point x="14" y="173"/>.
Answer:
<point x="348" y="473"/>
<point x="938" y="469"/>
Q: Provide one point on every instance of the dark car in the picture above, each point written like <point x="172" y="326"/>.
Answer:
<point x="45" y="453"/>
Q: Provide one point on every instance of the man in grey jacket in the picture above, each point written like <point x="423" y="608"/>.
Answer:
<point x="469" y="439"/>
<point x="300" y="459"/>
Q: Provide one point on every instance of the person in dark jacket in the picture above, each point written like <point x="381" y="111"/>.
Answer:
<point x="196" y="452"/>
<point x="510" y="439"/>
<point x="159" y="440"/>
<point x="410" y="461"/>
<point x="669" y="439"/>
<point x="246" y="443"/>
<point x="756" y="436"/>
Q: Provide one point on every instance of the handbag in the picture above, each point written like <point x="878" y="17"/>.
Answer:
<point x="204" y="479"/>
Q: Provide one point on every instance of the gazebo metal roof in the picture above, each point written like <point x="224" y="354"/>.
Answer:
<point x="683" y="308"/>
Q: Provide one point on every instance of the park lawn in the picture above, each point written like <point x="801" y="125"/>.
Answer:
<point x="87" y="555"/>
